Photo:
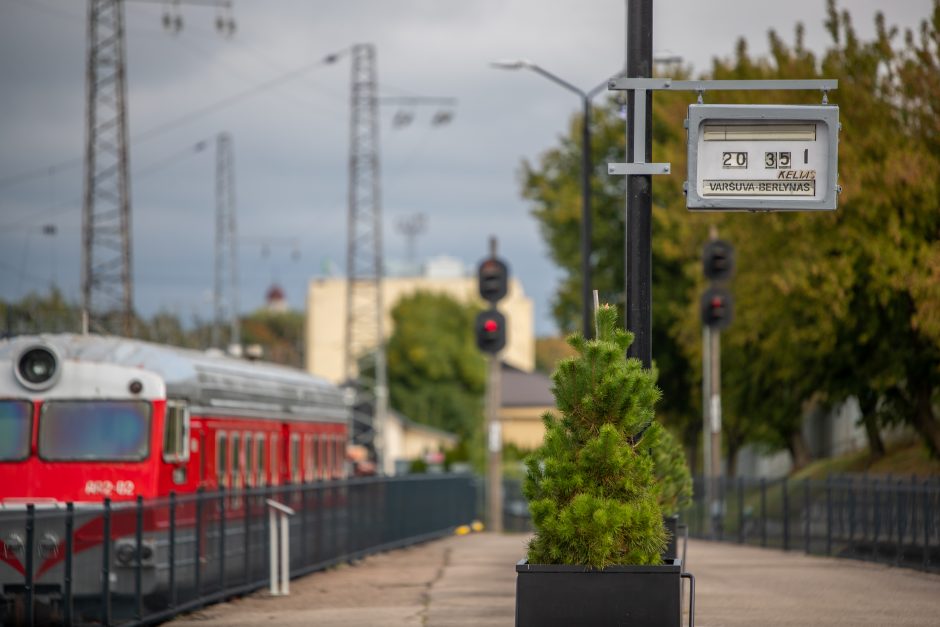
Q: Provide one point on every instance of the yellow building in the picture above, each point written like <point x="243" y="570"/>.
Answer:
<point x="326" y="316"/>
<point x="524" y="397"/>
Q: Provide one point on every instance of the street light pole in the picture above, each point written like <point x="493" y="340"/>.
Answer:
<point x="587" y="319"/>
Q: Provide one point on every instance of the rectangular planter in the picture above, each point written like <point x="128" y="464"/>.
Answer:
<point x="627" y="596"/>
<point x="672" y="524"/>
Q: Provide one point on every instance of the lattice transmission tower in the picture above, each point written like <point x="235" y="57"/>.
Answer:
<point x="225" y="294"/>
<point x="107" y="291"/>
<point x="365" y="339"/>
<point x="107" y="283"/>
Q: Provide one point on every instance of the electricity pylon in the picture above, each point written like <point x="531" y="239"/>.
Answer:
<point x="225" y="295"/>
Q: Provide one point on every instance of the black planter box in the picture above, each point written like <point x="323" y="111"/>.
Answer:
<point x="623" y="596"/>
<point x="672" y="524"/>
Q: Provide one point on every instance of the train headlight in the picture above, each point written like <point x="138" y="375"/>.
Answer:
<point x="48" y="545"/>
<point x="125" y="552"/>
<point x="37" y="367"/>
<point x="13" y="545"/>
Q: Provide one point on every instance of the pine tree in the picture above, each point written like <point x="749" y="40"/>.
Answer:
<point x="591" y="486"/>
<point x="672" y="474"/>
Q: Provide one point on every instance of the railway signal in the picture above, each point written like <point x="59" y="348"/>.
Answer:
<point x="493" y="279"/>
<point x="491" y="331"/>
<point x="717" y="308"/>
<point x="718" y="260"/>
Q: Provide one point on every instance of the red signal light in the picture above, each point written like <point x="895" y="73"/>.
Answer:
<point x="490" y="326"/>
<point x="717" y="302"/>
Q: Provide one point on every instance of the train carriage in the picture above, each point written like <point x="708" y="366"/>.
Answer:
<point x="84" y="418"/>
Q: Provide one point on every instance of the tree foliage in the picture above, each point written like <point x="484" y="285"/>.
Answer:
<point x="590" y="486"/>
<point x="828" y="305"/>
<point x="436" y="374"/>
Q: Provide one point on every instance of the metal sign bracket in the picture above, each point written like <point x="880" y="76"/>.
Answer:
<point x="638" y="166"/>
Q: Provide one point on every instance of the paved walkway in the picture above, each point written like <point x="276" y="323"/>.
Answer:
<point x="470" y="581"/>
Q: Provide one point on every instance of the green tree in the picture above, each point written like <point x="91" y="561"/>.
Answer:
<point x="436" y="374"/>
<point x="830" y="305"/>
<point x="590" y="486"/>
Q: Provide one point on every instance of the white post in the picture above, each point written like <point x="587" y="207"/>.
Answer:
<point x="285" y="555"/>
<point x="272" y="519"/>
<point x="278" y="518"/>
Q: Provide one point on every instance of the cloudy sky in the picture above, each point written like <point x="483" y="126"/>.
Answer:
<point x="291" y="139"/>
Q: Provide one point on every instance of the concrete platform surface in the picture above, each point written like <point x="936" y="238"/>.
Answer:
<point x="470" y="581"/>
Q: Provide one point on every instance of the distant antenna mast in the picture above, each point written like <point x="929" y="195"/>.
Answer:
<point x="225" y="299"/>
<point x="411" y="227"/>
<point x="107" y="292"/>
<point x="365" y="338"/>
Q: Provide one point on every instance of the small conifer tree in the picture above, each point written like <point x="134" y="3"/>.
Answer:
<point x="672" y="473"/>
<point x="591" y="486"/>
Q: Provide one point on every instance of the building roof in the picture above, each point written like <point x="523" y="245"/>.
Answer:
<point x="410" y="424"/>
<point x="525" y="389"/>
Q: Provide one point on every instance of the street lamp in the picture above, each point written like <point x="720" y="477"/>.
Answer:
<point x="586" y="230"/>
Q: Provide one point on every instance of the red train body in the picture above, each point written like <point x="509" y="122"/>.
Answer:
<point x="85" y="417"/>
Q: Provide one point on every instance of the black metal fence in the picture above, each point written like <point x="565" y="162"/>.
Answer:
<point x="167" y="556"/>
<point x="885" y="519"/>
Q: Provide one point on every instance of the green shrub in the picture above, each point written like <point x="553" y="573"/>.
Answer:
<point x="591" y="486"/>
<point x="672" y="474"/>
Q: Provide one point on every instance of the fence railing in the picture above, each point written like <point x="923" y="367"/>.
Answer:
<point x="885" y="519"/>
<point x="170" y="555"/>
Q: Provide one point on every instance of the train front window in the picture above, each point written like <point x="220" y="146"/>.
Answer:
<point x="94" y="430"/>
<point x="16" y="419"/>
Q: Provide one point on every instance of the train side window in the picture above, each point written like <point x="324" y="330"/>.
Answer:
<point x="221" y="459"/>
<point x="308" y="458"/>
<point x="259" y="443"/>
<point x="176" y="432"/>
<point x="328" y="458"/>
<point x="236" y="461"/>
<point x="340" y="457"/>
<point x="315" y="450"/>
<point x="295" y="458"/>
<point x="275" y="459"/>
<point x="249" y="461"/>
<point x="203" y="457"/>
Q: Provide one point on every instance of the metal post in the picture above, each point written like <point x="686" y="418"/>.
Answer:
<point x="706" y="426"/>
<point x="741" y="523"/>
<point x="494" y="448"/>
<point x="763" y="511"/>
<point x="69" y="548"/>
<point x="246" y="540"/>
<point x="876" y="522"/>
<point x="926" y="525"/>
<point x="829" y="515"/>
<point x="586" y="221"/>
<point x="106" y="564"/>
<point x="786" y="515"/>
<point x="714" y="403"/>
<point x="900" y="524"/>
<point x="807" y="512"/>
<point x="172" y="549"/>
<point x="197" y="558"/>
<point x="852" y="509"/>
<point x="221" y="526"/>
<point x="28" y="561"/>
<point x="639" y="187"/>
<point x="138" y="556"/>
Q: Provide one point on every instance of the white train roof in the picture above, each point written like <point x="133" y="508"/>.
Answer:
<point x="210" y="380"/>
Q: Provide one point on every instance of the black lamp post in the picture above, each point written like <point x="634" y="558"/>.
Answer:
<point x="586" y="165"/>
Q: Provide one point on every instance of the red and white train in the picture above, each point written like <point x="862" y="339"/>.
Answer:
<point x="85" y="417"/>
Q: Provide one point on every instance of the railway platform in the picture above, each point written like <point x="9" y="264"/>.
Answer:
<point x="470" y="581"/>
